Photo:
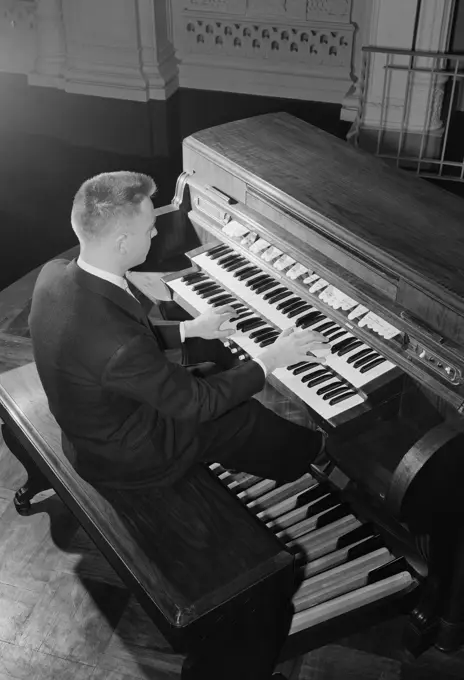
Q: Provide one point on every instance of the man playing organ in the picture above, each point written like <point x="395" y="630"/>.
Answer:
<point x="130" y="417"/>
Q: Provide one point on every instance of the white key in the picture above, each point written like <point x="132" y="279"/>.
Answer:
<point x="189" y="295"/>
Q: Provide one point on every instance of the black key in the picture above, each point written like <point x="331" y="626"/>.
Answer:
<point x="250" y="319"/>
<point x="279" y="296"/>
<point x="227" y="259"/>
<point x="222" y="296"/>
<point x="274" y="292"/>
<point x="342" y="344"/>
<point x="243" y="315"/>
<point x="217" y="295"/>
<point x="317" y="381"/>
<point x="290" y="304"/>
<point x="203" y="285"/>
<point x="294" y="307"/>
<point x="256" y="279"/>
<point x="300" y="363"/>
<point x="225" y="301"/>
<point x="352" y="345"/>
<point x="336" y="329"/>
<point x="308" y="324"/>
<point x="373" y="364"/>
<point x="337" y="335"/>
<point x="246" y="275"/>
<point x="359" y="355"/>
<point x="265" y="286"/>
<point x="304" y="369"/>
<point x="259" y="284"/>
<point x="262" y="331"/>
<point x="250" y="325"/>
<point x="328" y="388"/>
<point x="241" y="269"/>
<point x="290" y="301"/>
<point x="323" y="371"/>
<point x="216" y="254"/>
<point x="218" y="248"/>
<point x="325" y="326"/>
<point x="337" y="391"/>
<point x="298" y="310"/>
<point x="368" y="354"/>
<point x="210" y="292"/>
<point x="308" y="317"/>
<point x="266" y="336"/>
<point x="192" y="278"/>
<point x="267" y="342"/>
<point x="341" y="397"/>
<point x="236" y="265"/>
<point x="229" y="262"/>
<point x="222" y="293"/>
<point x="365" y="360"/>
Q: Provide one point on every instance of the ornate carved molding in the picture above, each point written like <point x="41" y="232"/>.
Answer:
<point x="316" y="46"/>
<point x="230" y="44"/>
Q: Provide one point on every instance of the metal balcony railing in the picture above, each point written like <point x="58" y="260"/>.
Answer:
<point x="409" y="110"/>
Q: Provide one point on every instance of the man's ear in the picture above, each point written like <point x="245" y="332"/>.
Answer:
<point x="121" y="244"/>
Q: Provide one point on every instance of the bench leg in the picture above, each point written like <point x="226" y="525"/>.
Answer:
<point x="36" y="481"/>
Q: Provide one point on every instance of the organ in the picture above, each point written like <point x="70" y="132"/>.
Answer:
<point x="294" y="227"/>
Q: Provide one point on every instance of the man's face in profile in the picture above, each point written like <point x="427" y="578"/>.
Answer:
<point x="142" y="231"/>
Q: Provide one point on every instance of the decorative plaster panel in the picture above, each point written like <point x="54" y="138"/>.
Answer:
<point x="328" y="46"/>
<point x="230" y="44"/>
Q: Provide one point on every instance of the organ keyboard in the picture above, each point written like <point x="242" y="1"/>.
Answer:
<point x="266" y="306"/>
<point x="297" y="228"/>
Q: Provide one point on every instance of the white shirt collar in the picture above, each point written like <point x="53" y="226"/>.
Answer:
<point x="102" y="274"/>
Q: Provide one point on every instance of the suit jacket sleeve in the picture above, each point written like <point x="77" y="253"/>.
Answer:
<point x="167" y="333"/>
<point x="139" y="370"/>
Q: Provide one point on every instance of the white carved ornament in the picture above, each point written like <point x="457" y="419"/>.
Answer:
<point x="314" y="45"/>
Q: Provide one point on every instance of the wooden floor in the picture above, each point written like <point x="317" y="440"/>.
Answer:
<point x="65" y="615"/>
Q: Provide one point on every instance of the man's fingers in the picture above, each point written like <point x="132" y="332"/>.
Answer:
<point x="287" y="331"/>
<point x="225" y="309"/>
<point x="317" y="345"/>
<point x="307" y="334"/>
<point x="316" y="360"/>
<point x="228" y="326"/>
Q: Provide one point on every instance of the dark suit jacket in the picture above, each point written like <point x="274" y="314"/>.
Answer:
<point x="129" y="416"/>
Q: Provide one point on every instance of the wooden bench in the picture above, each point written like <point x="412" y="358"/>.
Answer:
<point x="190" y="553"/>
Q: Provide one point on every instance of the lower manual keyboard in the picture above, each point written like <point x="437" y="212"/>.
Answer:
<point x="331" y="390"/>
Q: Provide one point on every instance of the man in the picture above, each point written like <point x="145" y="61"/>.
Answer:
<point x="129" y="416"/>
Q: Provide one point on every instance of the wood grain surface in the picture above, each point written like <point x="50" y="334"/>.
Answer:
<point x="403" y="222"/>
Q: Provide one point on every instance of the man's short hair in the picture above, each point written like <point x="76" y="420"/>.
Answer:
<point x="104" y="200"/>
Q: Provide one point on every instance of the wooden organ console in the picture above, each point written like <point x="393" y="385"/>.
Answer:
<point x="295" y="227"/>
